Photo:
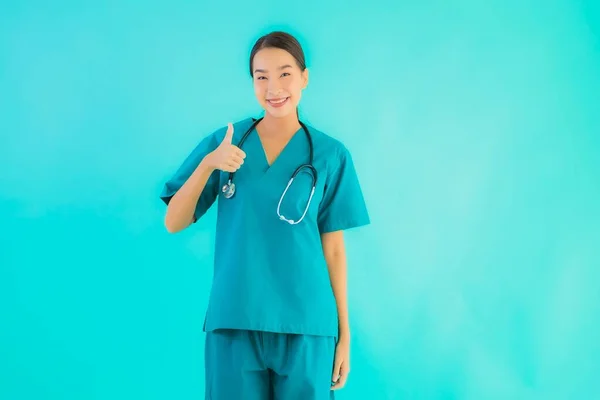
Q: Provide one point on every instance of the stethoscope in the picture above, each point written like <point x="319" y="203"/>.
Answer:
<point x="229" y="187"/>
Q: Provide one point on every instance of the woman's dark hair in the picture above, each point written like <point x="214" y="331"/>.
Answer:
<point x="279" y="40"/>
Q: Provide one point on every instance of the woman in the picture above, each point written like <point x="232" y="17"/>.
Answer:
<point x="277" y="319"/>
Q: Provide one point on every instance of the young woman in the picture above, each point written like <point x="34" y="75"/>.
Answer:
<point x="277" y="320"/>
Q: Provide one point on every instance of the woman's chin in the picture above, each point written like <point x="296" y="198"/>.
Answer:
<point x="280" y="112"/>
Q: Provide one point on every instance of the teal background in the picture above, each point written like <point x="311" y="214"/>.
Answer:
<point x="474" y="128"/>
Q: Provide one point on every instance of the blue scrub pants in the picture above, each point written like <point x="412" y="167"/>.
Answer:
<point x="255" y="365"/>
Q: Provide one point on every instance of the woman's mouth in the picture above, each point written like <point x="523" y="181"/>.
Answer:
<point x="277" y="102"/>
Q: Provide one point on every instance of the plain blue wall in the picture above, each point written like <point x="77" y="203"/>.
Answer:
<point x="474" y="128"/>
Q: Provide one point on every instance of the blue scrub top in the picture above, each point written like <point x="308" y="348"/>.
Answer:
<point x="270" y="275"/>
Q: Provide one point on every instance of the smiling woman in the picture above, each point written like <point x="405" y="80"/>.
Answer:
<point x="277" y="319"/>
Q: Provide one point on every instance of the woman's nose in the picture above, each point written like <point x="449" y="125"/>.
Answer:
<point x="274" y="88"/>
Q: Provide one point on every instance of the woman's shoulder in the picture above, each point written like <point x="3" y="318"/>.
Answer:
<point x="328" y="142"/>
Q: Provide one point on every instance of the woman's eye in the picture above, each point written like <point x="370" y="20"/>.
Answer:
<point x="261" y="77"/>
<point x="285" y="74"/>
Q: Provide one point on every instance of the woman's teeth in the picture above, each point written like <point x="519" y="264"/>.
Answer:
<point x="278" y="101"/>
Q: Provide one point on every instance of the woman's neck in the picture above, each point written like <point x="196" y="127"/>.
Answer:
<point x="272" y="126"/>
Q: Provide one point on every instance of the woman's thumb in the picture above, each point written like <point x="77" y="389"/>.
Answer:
<point x="229" y="134"/>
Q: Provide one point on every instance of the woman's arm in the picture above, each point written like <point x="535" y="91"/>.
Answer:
<point x="335" y="256"/>
<point x="226" y="157"/>
<point x="180" y="211"/>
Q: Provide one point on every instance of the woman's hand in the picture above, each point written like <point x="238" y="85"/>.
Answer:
<point x="341" y="364"/>
<point x="226" y="157"/>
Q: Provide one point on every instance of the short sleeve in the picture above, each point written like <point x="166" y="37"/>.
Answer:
<point x="189" y="165"/>
<point x="343" y="205"/>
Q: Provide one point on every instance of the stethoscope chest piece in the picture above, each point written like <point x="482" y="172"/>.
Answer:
<point x="229" y="190"/>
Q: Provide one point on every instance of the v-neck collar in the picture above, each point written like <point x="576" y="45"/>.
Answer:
<point x="281" y="153"/>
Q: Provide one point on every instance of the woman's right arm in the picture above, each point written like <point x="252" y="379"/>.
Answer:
<point x="180" y="211"/>
<point x="226" y="157"/>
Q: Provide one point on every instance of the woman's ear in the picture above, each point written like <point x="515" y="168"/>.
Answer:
<point x="305" y="78"/>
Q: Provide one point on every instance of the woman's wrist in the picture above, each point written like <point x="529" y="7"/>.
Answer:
<point x="344" y="334"/>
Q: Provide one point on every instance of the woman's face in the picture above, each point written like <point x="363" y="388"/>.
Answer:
<point x="278" y="81"/>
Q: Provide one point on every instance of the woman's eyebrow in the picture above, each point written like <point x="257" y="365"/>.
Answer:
<point x="279" y="68"/>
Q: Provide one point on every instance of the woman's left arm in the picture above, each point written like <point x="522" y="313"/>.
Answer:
<point x="335" y="256"/>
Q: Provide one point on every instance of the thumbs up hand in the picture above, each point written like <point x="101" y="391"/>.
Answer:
<point x="226" y="157"/>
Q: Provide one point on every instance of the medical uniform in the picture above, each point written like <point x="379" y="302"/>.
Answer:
<point x="272" y="318"/>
